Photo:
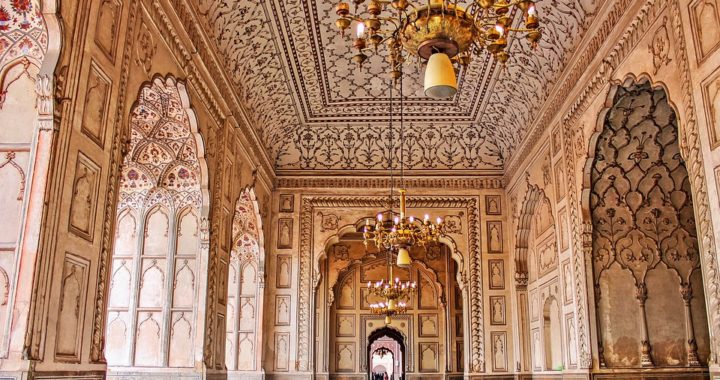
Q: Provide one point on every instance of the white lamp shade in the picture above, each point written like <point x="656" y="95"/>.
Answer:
<point x="403" y="258"/>
<point x="440" y="81"/>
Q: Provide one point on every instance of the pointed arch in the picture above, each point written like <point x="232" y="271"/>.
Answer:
<point x="245" y="292"/>
<point x="164" y="179"/>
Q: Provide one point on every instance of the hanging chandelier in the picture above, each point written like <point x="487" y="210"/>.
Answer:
<point x="393" y="294"/>
<point x="439" y="32"/>
<point x="397" y="233"/>
<point x="402" y="232"/>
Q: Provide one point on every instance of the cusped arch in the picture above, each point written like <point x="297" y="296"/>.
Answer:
<point x="591" y="152"/>
<point x="350" y="228"/>
<point x="177" y="189"/>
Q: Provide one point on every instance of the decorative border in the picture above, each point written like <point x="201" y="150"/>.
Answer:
<point x="307" y="278"/>
<point x="460" y="183"/>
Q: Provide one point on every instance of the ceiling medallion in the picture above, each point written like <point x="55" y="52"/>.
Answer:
<point x="439" y="32"/>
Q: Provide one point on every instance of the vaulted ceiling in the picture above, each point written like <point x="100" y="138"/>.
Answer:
<point x="314" y="109"/>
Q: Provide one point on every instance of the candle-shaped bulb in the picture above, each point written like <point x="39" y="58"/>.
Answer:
<point x="380" y="217"/>
<point x="427" y="217"/>
<point x="532" y="11"/>
<point x="412" y="219"/>
<point x="439" y="220"/>
<point x="368" y="284"/>
<point x="397" y="220"/>
<point x="360" y="29"/>
<point x="500" y="29"/>
<point x="397" y="279"/>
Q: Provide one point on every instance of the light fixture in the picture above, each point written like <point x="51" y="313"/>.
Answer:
<point x="440" y="82"/>
<point x="438" y="32"/>
<point x="393" y="294"/>
<point x="399" y="232"/>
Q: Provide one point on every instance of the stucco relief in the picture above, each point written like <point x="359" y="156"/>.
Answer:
<point x="84" y="198"/>
<point x="705" y="18"/>
<point x="72" y="299"/>
<point x="643" y="216"/>
<point x="711" y="100"/>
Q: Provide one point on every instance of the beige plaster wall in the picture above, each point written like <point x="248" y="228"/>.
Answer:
<point x="656" y="40"/>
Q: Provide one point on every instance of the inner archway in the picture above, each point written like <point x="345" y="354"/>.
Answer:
<point x="156" y="279"/>
<point x="433" y="327"/>
<point x="382" y="344"/>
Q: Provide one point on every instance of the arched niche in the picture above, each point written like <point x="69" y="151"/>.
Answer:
<point x="161" y="245"/>
<point x="636" y="142"/>
<point x="244" y="333"/>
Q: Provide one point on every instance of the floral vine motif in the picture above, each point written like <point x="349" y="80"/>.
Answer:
<point x="328" y="222"/>
<point x="322" y="93"/>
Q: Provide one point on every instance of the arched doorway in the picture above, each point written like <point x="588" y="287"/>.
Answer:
<point x="393" y="342"/>
<point x="243" y="344"/>
<point x="433" y="327"/>
<point x="537" y="287"/>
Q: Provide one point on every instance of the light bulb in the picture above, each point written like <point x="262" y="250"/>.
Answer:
<point x="500" y="29"/>
<point x="380" y="217"/>
<point x="532" y="11"/>
<point x="397" y="220"/>
<point x="439" y="220"/>
<point x="412" y="219"/>
<point x="427" y="217"/>
<point x="360" y="29"/>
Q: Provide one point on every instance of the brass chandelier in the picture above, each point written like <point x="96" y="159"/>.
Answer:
<point x="397" y="233"/>
<point x="393" y="293"/>
<point x="439" y="32"/>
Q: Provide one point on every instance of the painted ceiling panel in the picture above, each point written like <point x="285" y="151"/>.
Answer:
<point x="314" y="109"/>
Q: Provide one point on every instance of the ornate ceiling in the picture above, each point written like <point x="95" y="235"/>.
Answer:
<point x="315" y="110"/>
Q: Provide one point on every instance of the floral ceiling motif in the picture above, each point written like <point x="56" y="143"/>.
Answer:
<point x="315" y="110"/>
<point x="22" y="31"/>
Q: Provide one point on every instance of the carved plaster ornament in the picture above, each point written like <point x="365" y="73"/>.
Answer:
<point x="660" y="47"/>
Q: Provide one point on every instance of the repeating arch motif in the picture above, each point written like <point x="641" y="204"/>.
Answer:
<point x="156" y="283"/>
